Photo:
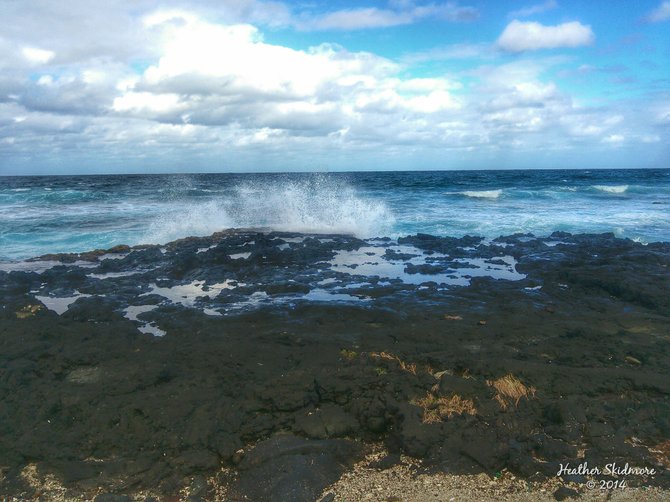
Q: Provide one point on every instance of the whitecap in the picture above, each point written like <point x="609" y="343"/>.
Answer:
<point x="482" y="194"/>
<point x="611" y="188"/>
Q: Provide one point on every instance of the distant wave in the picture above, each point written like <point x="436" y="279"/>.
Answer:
<point x="482" y="194"/>
<point x="318" y="204"/>
<point x="611" y="188"/>
<point x="68" y="214"/>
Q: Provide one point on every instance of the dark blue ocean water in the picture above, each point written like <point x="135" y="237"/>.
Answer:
<point x="76" y="213"/>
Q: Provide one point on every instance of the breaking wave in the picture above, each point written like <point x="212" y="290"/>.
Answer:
<point x="482" y="194"/>
<point x="611" y="188"/>
<point x="318" y="204"/>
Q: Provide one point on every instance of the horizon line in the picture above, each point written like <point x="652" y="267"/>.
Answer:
<point x="342" y="171"/>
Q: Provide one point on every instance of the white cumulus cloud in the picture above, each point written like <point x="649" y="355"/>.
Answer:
<point x="37" y="56"/>
<point x="521" y="36"/>
<point x="220" y="75"/>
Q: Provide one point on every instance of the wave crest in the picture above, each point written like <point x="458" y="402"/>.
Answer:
<point x="482" y="194"/>
<point x="611" y="188"/>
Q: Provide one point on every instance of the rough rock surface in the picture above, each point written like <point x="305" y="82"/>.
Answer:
<point x="286" y="467"/>
<point x="522" y="353"/>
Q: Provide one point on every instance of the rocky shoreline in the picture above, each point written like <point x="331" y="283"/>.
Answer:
<point x="282" y="357"/>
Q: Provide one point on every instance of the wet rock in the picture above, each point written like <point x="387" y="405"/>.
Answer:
<point x="289" y="468"/>
<point x="75" y="470"/>
<point x="226" y="445"/>
<point x="286" y="288"/>
<point x="392" y="254"/>
<point x="337" y="421"/>
<point x="425" y="269"/>
<point x="121" y="248"/>
<point x="574" y="478"/>
<point x="386" y="462"/>
<point x="598" y="429"/>
<point x="200" y="460"/>
<point x="310" y="425"/>
<point x="328" y="421"/>
<point x="468" y="387"/>
<point x="415" y="437"/>
<point x="486" y="448"/>
<point x="198" y="487"/>
<point x="565" y="493"/>
<point x="550" y="448"/>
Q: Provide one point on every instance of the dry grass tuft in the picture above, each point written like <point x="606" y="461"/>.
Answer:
<point x="28" y="311"/>
<point x="408" y="367"/>
<point x="510" y="389"/>
<point x="436" y="409"/>
<point x="661" y="452"/>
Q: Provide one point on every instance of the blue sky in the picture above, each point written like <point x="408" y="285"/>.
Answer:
<point x="249" y="85"/>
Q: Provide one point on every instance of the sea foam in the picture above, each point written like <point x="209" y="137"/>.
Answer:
<point x="611" y="188"/>
<point x="318" y="204"/>
<point x="482" y="194"/>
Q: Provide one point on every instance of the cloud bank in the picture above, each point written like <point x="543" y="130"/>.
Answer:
<point x="522" y="36"/>
<point x="192" y="90"/>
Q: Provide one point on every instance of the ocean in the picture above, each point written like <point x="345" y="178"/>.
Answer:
<point x="52" y="214"/>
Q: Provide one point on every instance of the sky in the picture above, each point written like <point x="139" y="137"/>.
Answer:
<point x="256" y="86"/>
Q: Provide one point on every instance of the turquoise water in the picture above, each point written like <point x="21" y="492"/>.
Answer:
<point x="49" y="214"/>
